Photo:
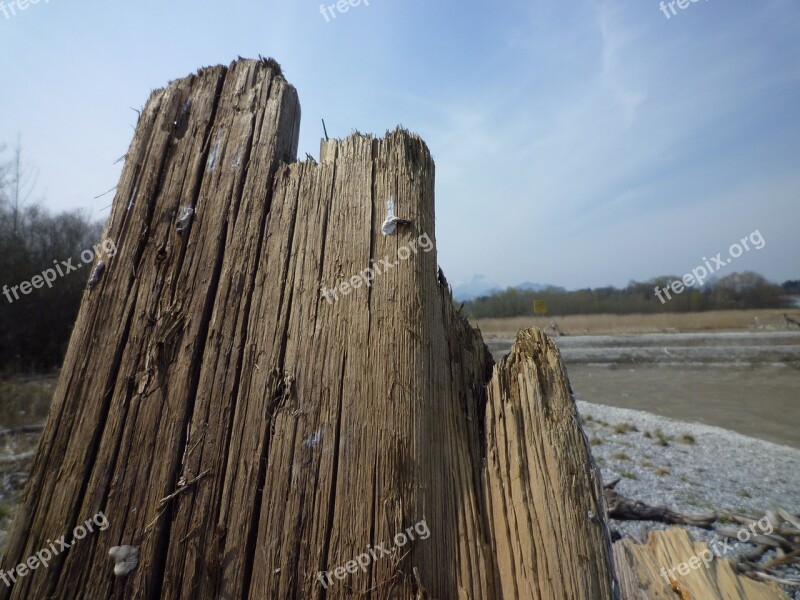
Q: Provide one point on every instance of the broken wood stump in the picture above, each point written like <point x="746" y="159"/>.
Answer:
<point x="265" y="396"/>
<point x="671" y="566"/>
<point x="549" y="530"/>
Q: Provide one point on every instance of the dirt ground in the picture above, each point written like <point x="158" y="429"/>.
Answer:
<point x="712" y="321"/>
<point x="761" y="402"/>
<point x="24" y="401"/>
<point x="743" y="381"/>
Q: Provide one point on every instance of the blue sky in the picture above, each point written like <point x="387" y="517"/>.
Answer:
<point x="580" y="143"/>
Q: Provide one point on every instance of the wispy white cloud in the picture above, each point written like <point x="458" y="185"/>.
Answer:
<point x="618" y="41"/>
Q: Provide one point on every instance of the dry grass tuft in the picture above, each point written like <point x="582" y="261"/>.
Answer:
<point x="661" y="438"/>
<point x="624" y="427"/>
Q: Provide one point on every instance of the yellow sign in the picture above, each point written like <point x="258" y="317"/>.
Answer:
<point x="540" y="307"/>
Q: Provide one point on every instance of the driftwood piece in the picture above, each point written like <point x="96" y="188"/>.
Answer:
<point x="794" y="520"/>
<point x="620" y="507"/>
<point x="251" y="434"/>
<point x="767" y="540"/>
<point x="671" y="566"/>
<point x="774" y="531"/>
<point x="786" y="559"/>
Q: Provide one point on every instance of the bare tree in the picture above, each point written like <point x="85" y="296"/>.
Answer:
<point x="4" y="170"/>
<point x="18" y="181"/>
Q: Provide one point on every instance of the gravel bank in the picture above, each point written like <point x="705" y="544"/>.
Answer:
<point x="691" y="467"/>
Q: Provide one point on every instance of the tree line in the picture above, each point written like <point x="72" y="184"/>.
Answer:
<point x="35" y="328"/>
<point x="735" y="291"/>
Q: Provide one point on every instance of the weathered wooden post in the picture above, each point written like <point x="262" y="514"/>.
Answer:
<point x="269" y="393"/>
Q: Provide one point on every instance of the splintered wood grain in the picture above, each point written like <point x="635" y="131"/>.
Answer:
<point x="249" y="432"/>
<point x="650" y="571"/>
<point x="549" y="534"/>
<point x="118" y="425"/>
<point x="348" y="401"/>
<point x="193" y="565"/>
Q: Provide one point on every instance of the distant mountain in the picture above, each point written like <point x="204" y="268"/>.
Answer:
<point x="533" y="287"/>
<point x="474" y="287"/>
<point x="478" y="286"/>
